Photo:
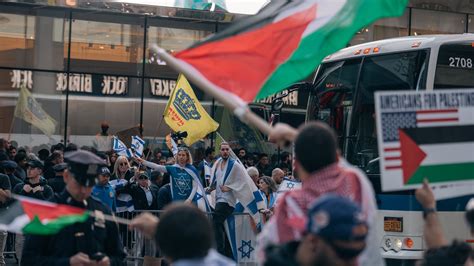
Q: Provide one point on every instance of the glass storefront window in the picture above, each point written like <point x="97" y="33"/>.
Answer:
<point x="33" y="118"/>
<point x="33" y="38"/>
<point x="95" y="99"/>
<point x="174" y="36"/>
<point x="426" y="22"/>
<point x="107" y="44"/>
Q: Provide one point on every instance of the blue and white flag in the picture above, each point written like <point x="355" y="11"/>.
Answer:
<point x="119" y="147"/>
<point x="138" y="145"/>
<point x="287" y="185"/>
<point x="242" y="238"/>
<point x="242" y="187"/>
<point x="185" y="186"/>
<point x="124" y="201"/>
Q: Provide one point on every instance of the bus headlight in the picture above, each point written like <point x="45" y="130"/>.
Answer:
<point x="397" y="244"/>
<point x="392" y="243"/>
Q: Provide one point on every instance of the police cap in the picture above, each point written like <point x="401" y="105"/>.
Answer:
<point x="84" y="165"/>
<point x="59" y="167"/>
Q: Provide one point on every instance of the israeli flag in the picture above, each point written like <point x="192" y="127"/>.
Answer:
<point x="119" y="147"/>
<point x="138" y="145"/>
<point x="236" y="178"/>
<point x="242" y="238"/>
<point x="124" y="201"/>
<point x="288" y="184"/>
<point x="185" y="186"/>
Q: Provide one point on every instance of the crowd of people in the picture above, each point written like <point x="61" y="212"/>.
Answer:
<point x="123" y="182"/>
<point x="329" y="220"/>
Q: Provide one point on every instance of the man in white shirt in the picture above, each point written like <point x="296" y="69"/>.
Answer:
<point x="225" y="199"/>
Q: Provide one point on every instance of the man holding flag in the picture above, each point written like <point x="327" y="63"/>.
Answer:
<point x="232" y="183"/>
<point x="93" y="241"/>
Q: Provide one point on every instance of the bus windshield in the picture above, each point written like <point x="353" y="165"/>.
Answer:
<point x="343" y="96"/>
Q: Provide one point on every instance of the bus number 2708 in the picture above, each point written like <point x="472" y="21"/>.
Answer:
<point x="460" y="62"/>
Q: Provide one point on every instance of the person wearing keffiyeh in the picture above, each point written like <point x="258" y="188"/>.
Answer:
<point x="322" y="171"/>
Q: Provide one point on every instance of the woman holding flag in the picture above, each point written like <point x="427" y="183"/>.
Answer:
<point x="184" y="181"/>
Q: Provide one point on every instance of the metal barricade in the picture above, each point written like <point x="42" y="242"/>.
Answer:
<point x="142" y="249"/>
<point x="9" y="252"/>
<point x="138" y="248"/>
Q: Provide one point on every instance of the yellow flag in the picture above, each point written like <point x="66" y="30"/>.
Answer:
<point x="184" y="113"/>
<point x="31" y="112"/>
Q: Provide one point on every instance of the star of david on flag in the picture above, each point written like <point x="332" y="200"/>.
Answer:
<point x="138" y="145"/>
<point x="246" y="249"/>
<point x="183" y="185"/>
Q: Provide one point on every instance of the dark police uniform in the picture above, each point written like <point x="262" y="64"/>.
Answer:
<point x="95" y="237"/>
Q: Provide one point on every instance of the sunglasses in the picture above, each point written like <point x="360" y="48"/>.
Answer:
<point x="142" y="178"/>
<point x="122" y="164"/>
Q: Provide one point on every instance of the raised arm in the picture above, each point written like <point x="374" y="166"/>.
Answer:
<point x="154" y="166"/>
<point x="433" y="231"/>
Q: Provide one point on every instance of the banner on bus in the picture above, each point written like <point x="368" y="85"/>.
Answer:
<point x="425" y="135"/>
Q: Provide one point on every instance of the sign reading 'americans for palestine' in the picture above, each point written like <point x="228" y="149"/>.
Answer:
<point x="425" y="135"/>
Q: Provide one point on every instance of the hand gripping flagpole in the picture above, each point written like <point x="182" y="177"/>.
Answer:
<point x="230" y="101"/>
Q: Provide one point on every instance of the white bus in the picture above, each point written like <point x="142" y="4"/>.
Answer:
<point x="343" y="96"/>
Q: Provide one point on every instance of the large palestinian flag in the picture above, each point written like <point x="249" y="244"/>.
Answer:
<point x="30" y="216"/>
<point x="282" y="44"/>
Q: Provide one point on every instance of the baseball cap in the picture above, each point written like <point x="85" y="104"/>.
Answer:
<point x="143" y="175"/>
<point x="84" y="165"/>
<point x="35" y="164"/>
<point x="334" y="217"/>
<point x="104" y="171"/>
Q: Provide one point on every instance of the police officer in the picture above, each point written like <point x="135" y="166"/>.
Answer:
<point x="94" y="242"/>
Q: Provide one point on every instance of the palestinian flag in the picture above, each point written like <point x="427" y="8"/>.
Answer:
<point x="31" y="216"/>
<point x="282" y="44"/>
<point x="440" y="154"/>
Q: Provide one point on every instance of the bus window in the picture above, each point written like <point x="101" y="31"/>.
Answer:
<point x="400" y="71"/>
<point x="455" y="66"/>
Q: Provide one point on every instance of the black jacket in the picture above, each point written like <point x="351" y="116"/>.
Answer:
<point x="45" y="194"/>
<point x="57" y="184"/>
<point x="164" y="196"/>
<point x="90" y="237"/>
<point x="140" y="201"/>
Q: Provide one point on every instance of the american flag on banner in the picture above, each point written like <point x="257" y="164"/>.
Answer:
<point x="393" y="122"/>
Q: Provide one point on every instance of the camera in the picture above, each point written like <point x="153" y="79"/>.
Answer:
<point x="178" y="136"/>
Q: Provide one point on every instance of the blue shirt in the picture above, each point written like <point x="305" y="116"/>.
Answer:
<point x="105" y="194"/>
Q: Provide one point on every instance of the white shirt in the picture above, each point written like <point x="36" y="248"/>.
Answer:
<point x="226" y="197"/>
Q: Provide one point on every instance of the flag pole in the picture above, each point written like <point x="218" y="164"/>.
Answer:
<point x="11" y="128"/>
<point x="111" y="218"/>
<point x="230" y="101"/>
